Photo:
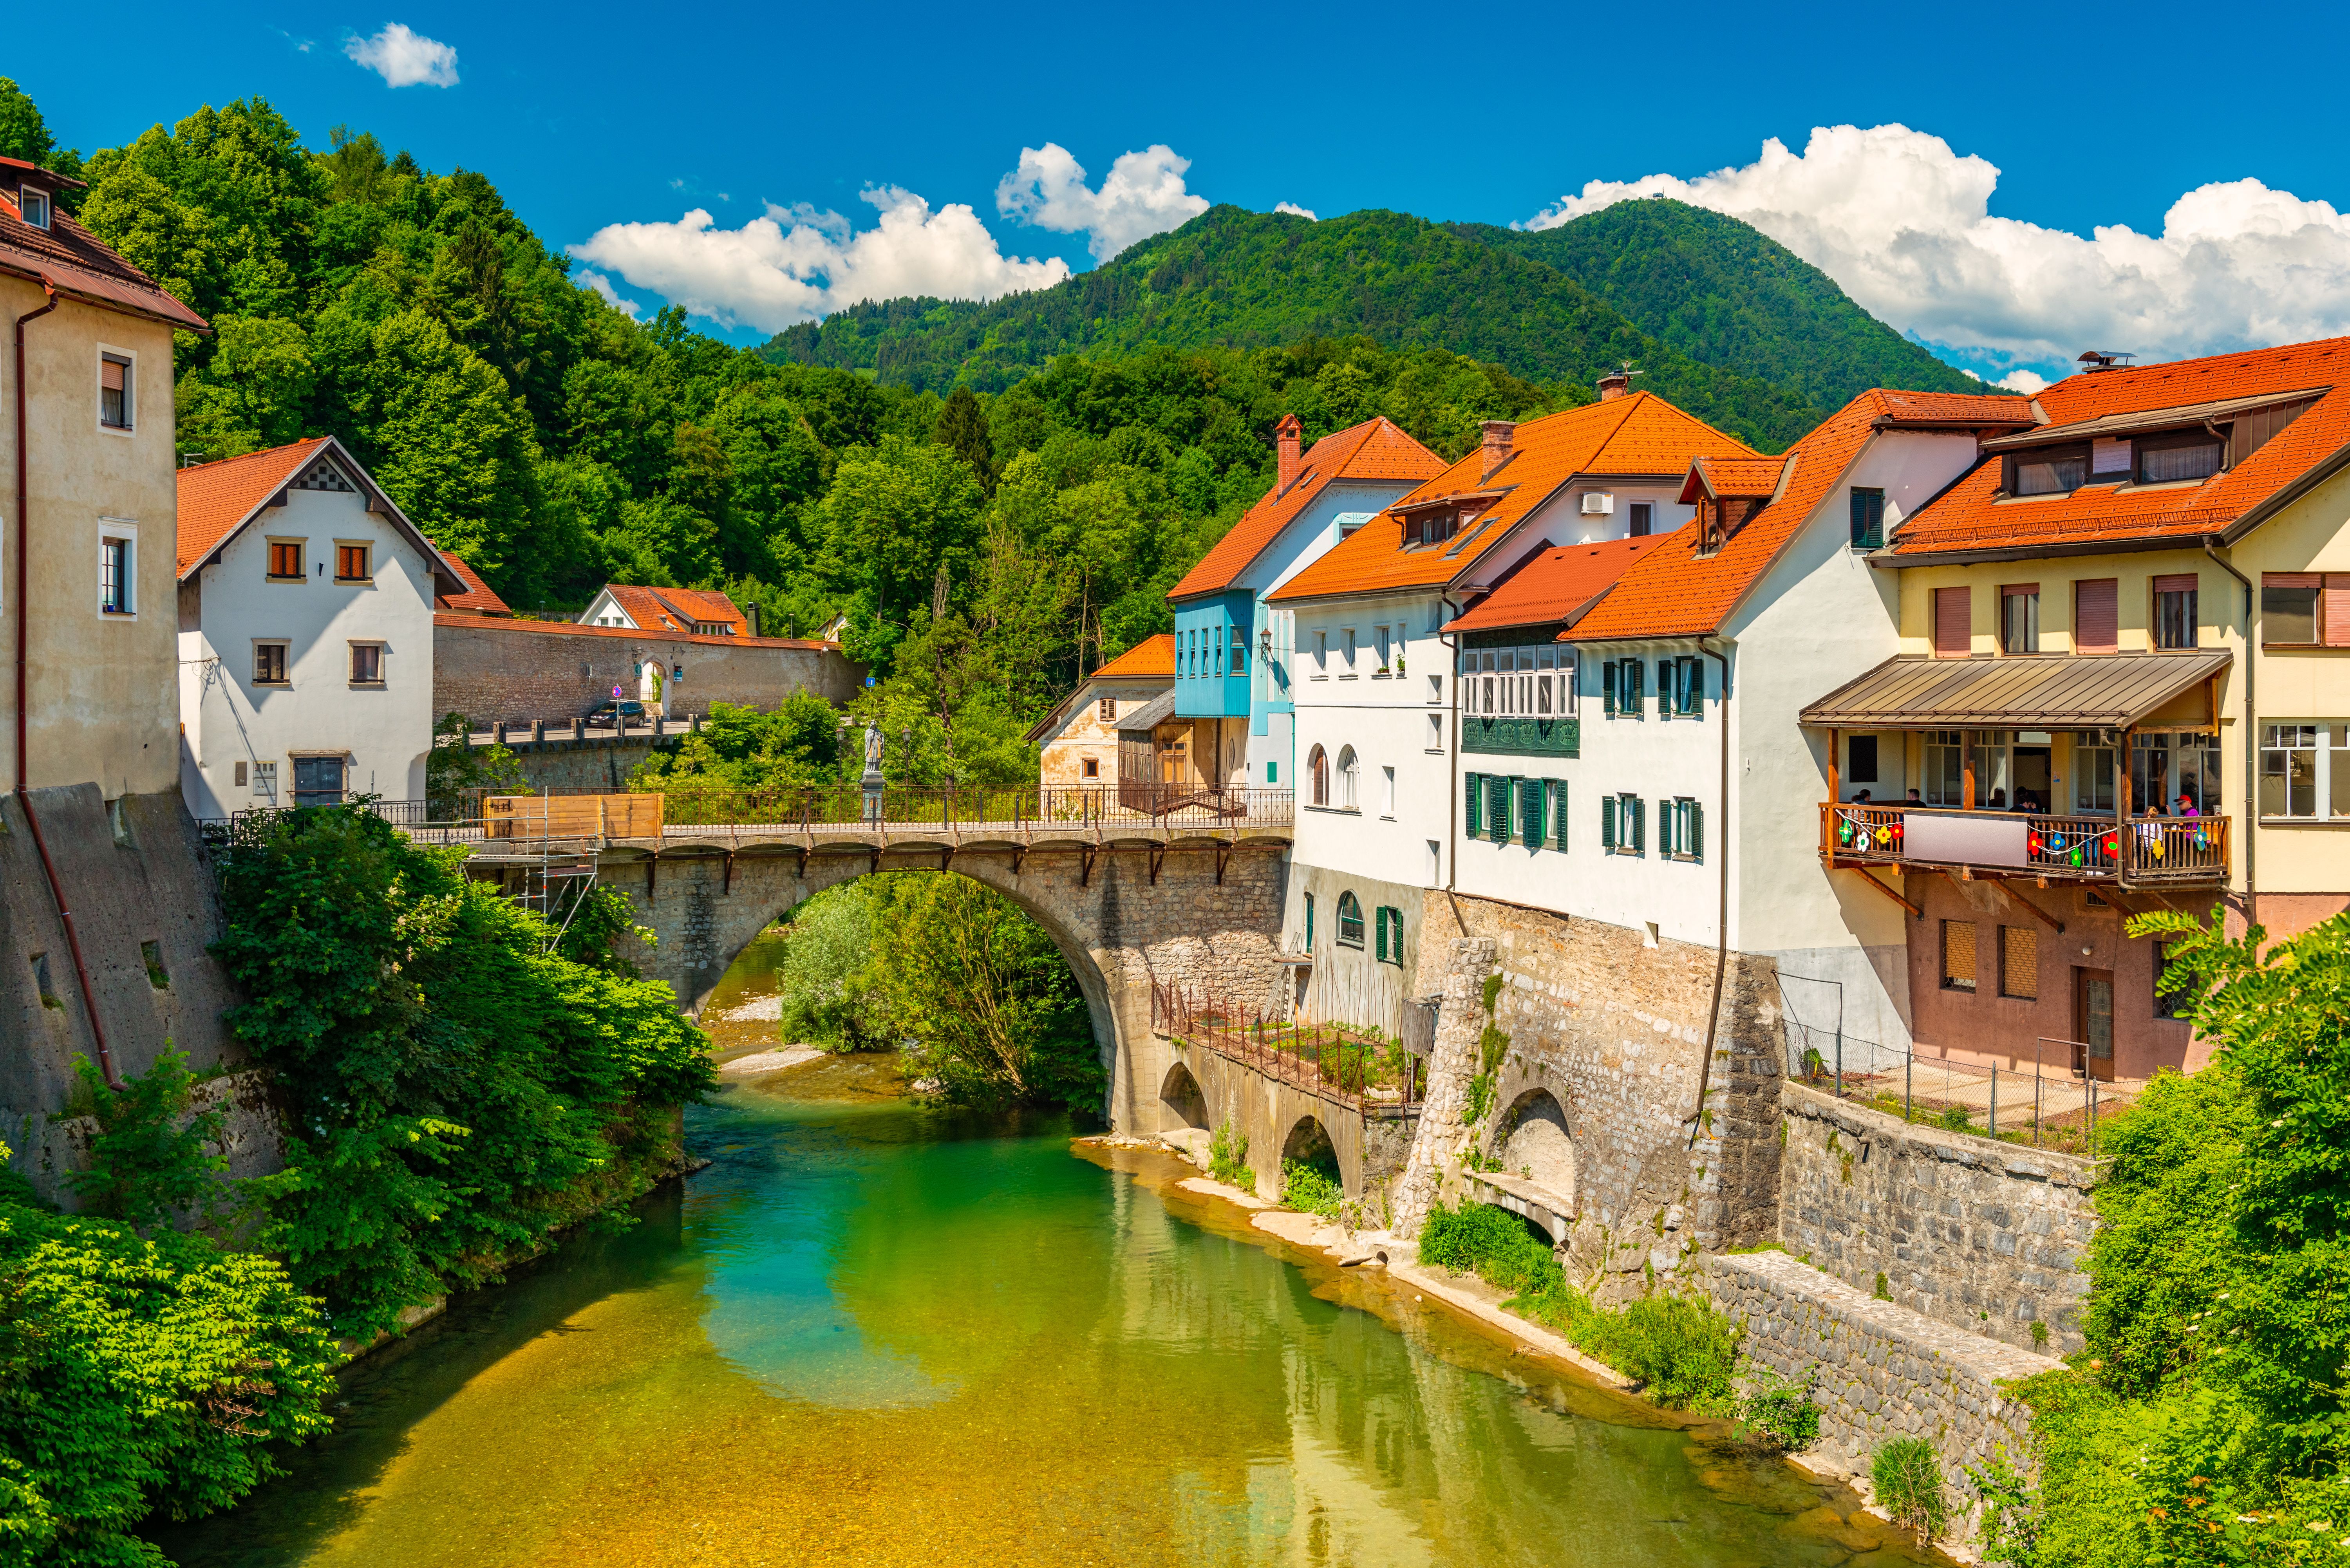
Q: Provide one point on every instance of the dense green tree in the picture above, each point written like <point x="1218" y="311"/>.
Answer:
<point x="962" y="429"/>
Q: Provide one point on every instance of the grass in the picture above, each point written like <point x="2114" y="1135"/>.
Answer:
<point x="1309" y="1189"/>
<point x="1228" y="1157"/>
<point x="1909" y="1482"/>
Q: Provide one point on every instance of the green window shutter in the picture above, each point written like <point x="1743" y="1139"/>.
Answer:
<point x="1380" y="916"/>
<point x="1497" y="809"/>
<point x="1309" y="922"/>
<point x="1633" y="678"/>
<point x="1665" y="827"/>
<point x="1607" y="687"/>
<point x="1607" y="822"/>
<point x="1664" y="686"/>
<point x="1558" y="815"/>
<point x="1695" y="830"/>
<point x="1639" y="823"/>
<point x="1530" y="813"/>
<point x="1470" y="818"/>
<point x="1692" y="686"/>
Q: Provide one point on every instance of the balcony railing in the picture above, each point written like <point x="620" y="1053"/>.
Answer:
<point x="2190" y="850"/>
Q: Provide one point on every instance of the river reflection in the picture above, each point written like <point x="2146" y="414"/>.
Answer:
<point x="873" y="1334"/>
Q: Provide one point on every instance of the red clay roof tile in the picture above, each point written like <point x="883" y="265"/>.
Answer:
<point x="1376" y="448"/>
<point x="1153" y="658"/>
<point x="678" y="609"/>
<point x="77" y="261"/>
<point x="1557" y="585"/>
<point x="477" y="598"/>
<point x="215" y="497"/>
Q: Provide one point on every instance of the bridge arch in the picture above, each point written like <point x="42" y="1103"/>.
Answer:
<point x="1181" y="1102"/>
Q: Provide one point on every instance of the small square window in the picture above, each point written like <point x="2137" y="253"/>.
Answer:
<point x="114" y="392"/>
<point x="35" y="205"/>
<point x="1109" y="710"/>
<point x="285" y="560"/>
<point x="367" y="664"/>
<point x="1093" y="767"/>
<point x="269" y="664"/>
<point x="1867" y="518"/>
<point x="352" y="562"/>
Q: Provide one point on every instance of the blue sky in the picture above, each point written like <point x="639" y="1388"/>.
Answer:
<point x="588" y="116"/>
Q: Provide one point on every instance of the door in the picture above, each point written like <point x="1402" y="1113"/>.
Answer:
<point x="2093" y="1022"/>
<point x="317" y="781"/>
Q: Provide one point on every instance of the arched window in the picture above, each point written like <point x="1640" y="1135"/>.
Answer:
<point x="1317" y="763"/>
<point x="1346" y="772"/>
<point x="1350" y="920"/>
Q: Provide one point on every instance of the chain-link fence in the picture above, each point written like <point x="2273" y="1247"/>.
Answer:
<point x="2046" y="1102"/>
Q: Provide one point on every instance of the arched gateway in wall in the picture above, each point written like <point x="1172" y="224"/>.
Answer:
<point x="1123" y="918"/>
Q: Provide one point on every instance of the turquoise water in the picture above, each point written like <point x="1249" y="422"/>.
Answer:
<point x="870" y="1334"/>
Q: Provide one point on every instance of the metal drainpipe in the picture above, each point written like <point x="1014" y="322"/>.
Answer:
<point x="1722" y="917"/>
<point x="1452" y="754"/>
<point x="2251" y="732"/>
<point x="24" y="621"/>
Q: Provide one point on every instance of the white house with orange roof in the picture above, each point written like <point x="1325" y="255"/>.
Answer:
<point x="1078" y="739"/>
<point x="1233" y="651"/>
<point x="1378" y="775"/>
<point x="306" y="605"/>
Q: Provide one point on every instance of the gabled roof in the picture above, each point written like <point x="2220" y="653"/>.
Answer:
<point x="73" y="260"/>
<point x="1951" y="410"/>
<point x="477" y="598"/>
<point x="1640" y="435"/>
<point x="1557" y="585"/>
<point x="677" y="609"/>
<point x="1971" y="519"/>
<point x="218" y="499"/>
<point x="1674" y="592"/>
<point x="1374" y="449"/>
<point x="1153" y="658"/>
<point x="1743" y="478"/>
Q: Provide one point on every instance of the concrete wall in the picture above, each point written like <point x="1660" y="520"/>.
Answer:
<point x="1982" y="1236"/>
<point x="1884" y="1371"/>
<point x="383" y="732"/>
<point x="1269" y="1114"/>
<point x="488" y="667"/>
<point x="101" y="701"/>
<point x="134" y="873"/>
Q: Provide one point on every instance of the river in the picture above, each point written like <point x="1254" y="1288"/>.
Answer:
<point x="874" y="1334"/>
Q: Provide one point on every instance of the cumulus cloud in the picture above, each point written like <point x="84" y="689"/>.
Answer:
<point x="603" y="285"/>
<point x="1903" y="224"/>
<point x="1295" y="211"/>
<point x="798" y="264"/>
<point x="1142" y="195"/>
<point x="405" y="58"/>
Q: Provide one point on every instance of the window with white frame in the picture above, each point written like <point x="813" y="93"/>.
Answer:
<point x="1435" y="732"/>
<point x="1321" y="656"/>
<point x="1347" y="635"/>
<point x="1680" y="828"/>
<point x="114" y="392"/>
<point x="1944" y="781"/>
<point x="33" y="204"/>
<point x="1535" y="682"/>
<point x="1387" y="792"/>
<point x="1623" y="823"/>
<point x="118" y="569"/>
<point x="2305" y="771"/>
<point x="1348" y="773"/>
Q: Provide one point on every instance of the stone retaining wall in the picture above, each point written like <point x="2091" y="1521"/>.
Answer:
<point x="1884" y="1370"/>
<point x="490" y="669"/>
<point x="1977" y="1234"/>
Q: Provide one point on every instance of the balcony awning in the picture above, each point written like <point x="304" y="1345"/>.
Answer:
<point x="1138" y="724"/>
<point x="2027" y="692"/>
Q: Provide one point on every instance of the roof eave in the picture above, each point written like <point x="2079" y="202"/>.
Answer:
<point x="1884" y="560"/>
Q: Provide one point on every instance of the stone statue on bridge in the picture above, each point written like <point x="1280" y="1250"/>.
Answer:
<point x="872" y="779"/>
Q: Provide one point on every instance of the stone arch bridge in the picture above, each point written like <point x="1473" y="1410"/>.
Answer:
<point x="1127" y="902"/>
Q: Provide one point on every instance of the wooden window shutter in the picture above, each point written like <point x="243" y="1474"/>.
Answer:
<point x="1664" y="686"/>
<point x="1558" y="815"/>
<point x="1665" y="839"/>
<point x="1607" y="822"/>
<point x="1953" y="622"/>
<point x="1497" y="809"/>
<point x="2336" y="610"/>
<point x="2096" y="616"/>
<point x="2018" y="958"/>
<point x="1639" y="823"/>
<point x="1696" y="845"/>
<point x="1635" y="684"/>
<point x="1530" y="819"/>
<point x="1469" y="814"/>
<point x="2183" y="583"/>
<point x="1607" y="685"/>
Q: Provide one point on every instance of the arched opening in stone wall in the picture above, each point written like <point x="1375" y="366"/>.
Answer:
<point x="1182" y="1103"/>
<point x="1308" y="1144"/>
<point x="1534" y="1143"/>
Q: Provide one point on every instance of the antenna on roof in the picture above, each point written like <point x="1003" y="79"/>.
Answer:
<point x="1618" y="381"/>
<point x="2098" y="360"/>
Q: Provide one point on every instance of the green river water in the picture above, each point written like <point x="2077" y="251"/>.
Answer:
<point x="872" y="1333"/>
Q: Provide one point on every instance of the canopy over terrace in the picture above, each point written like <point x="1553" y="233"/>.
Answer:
<point x="2023" y="691"/>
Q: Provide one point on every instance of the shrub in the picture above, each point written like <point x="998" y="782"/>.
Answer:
<point x="1776" y="1412"/>
<point x="1676" y="1347"/>
<point x="1909" y="1482"/>
<point x="1495" y="1245"/>
<point x="1310" y="1191"/>
<point x="1228" y="1157"/>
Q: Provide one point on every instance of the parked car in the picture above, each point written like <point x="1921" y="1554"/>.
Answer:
<point x="607" y="713"/>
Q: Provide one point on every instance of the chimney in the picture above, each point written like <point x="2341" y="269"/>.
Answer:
<point x="1286" y="437"/>
<point x="1495" y="437"/>
<point x="1614" y="385"/>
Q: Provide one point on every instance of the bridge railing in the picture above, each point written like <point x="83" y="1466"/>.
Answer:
<point x="836" y="810"/>
<point x="1358" y="1067"/>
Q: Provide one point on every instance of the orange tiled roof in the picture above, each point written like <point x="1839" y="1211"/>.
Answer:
<point x="1557" y="585"/>
<point x="1153" y="658"/>
<point x="1376" y="448"/>
<point x="215" y="498"/>
<point x="1968" y="409"/>
<point x="677" y="609"/>
<point x="1750" y="478"/>
<point x="1966" y="517"/>
<point x="74" y="260"/>
<point x="477" y="598"/>
<point x="1641" y="434"/>
<point x="1672" y="592"/>
<point x="462" y="621"/>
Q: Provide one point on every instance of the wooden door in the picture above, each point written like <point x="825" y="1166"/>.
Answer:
<point x="2093" y="1022"/>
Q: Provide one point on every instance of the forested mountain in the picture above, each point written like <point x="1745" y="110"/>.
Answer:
<point x="1724" y="293"/>
<point x="1257" y="279"/>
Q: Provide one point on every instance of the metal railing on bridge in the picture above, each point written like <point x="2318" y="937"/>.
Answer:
<point x="1360" y="1068"/>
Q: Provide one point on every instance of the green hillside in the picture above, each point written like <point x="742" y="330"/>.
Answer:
<point x="1258" y="279"/>
<point x="1725" y="294"/>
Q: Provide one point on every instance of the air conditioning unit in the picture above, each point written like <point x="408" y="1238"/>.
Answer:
<point x="1598" y="504"/>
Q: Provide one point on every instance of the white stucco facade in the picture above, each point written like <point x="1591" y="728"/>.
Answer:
<point x="247" y="736"/>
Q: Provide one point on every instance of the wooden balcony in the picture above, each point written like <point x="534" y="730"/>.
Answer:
<point x="2170" y="851"/>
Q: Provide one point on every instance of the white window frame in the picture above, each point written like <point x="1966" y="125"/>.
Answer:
<point x="1388" y="787"/>
<point x="1435" y="734"/>
<point x="109" y="529"/>
<point x="2327" y="751"/>
<point x="47" y="220"/>
<point x="1321" y="653"/>
<point x="1349" y="770"/>
<point x="129" y="357"/>
<point x="1349" y="633"/>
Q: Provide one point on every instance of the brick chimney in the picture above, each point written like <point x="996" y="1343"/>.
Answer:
<point x="1613" y="385"/>
<point x="1288" y="440"/>
<point x="1493" y="438"/>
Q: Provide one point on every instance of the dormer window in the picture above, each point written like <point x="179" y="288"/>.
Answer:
<point x="2052" y="471"/>
<point x="1432" y="527"/>
<point x="34" y="204"/>
<point x="2193" y="454"/>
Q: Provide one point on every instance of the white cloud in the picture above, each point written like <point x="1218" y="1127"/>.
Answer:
<point x="2030" y="383"/>
<point x="405" y="58"/>
<point x="1904" y="225"/>
<point x="1142" y="195"/>
<point x="798" y="264"/>
<point x="1295" y="211"/>
<point x="603" y="285"/>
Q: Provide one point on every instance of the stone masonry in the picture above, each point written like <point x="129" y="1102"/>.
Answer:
<point x="1977" y="1234"/>
<point x="491" y="668"/>
<point x="1437" y="1146"/>
<point x="1883" y="1371"/>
